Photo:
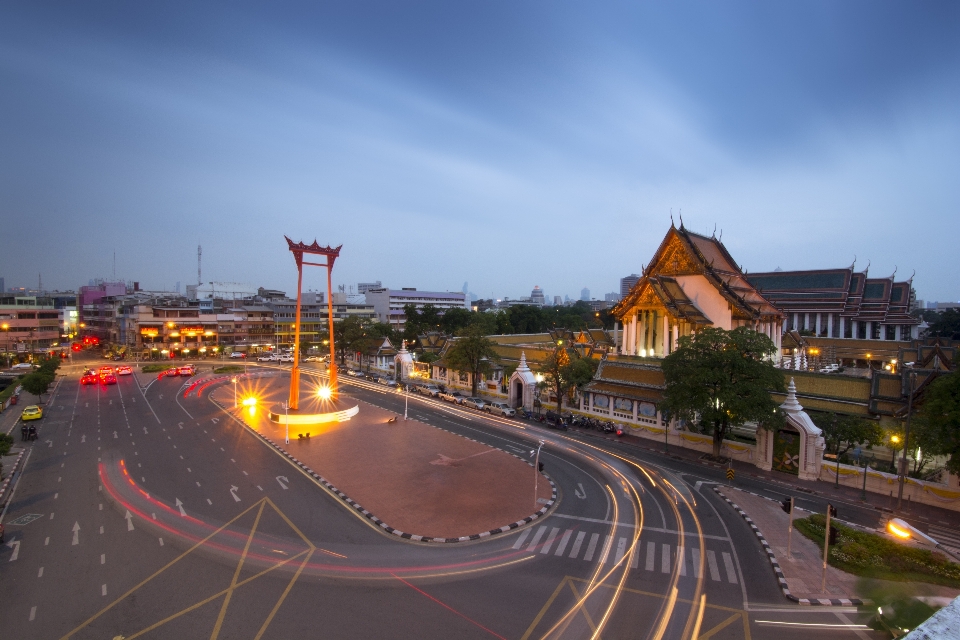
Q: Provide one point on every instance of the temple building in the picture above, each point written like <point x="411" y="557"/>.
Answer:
<point x="841" y="303"/>
<point x="692" y="282"/>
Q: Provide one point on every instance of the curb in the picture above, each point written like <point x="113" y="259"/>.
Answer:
<point x="13" y="472"/>
<point x="383" y="525"/>
<point x="824" y="602"/>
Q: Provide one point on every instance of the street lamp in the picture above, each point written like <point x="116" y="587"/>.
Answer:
<point x="234" y="380"/>
<point x="536" y="475"/>
<point x="906" y="440"/>
<point x="904" y="531"/>
<point x="286" y="421"/>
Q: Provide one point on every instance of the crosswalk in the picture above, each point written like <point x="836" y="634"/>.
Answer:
<point x="605" y="549"/>
<point x="946" y="537"/>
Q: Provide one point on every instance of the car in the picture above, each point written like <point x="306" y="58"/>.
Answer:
<point x="313" y="359"/>
<point x="390" y="382"/>
<point x="109" y="379"/>
<point x="188" y="370"/>
<point x="124" y="371"/>
<point x="23" y="365"/>
<point x="474" y="403"/>
<point x="286" y="358"/>
<point x="237" y="354"/>
<point x="452" y="396"/>
<point x="501" y="408"/>
<point x="830" y="368"/>
<point x="266" y="358"/>
<point x="353" y="373"/>
<point x="89" y="378"/>
<point x="372" y="377"/>
<point x="33" y="412"/>
<point x="431" y="390"/>
<point x="106" y="370"/>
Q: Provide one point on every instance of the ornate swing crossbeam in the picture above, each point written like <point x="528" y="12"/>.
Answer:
<point x="298" y="249"/>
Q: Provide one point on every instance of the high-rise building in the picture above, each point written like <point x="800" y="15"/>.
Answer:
<point x="612" y="297"/>
<point x="536" y="296"/>
<point x="2" y="285"/>
<point x="627" y="283"/>
<point x="585" y="294"/>
<point x="557" y="301"/>
<point x="388" y="303"/>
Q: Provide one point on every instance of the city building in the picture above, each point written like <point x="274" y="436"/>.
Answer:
<point x="612" y="297"/>
<point x="388" y="303"/>
<point x="536" y="296"/>
<point x="29" y="324"/>
<point x="841" y="303"/>
<point x="351" y="305"/>
<point x="557" y="301"/>
<point x="585" y="294"/>
<point x="363" y="287"/>
<point x="627" y="283"/>
<point x="692" y="282"/>
<point x="313" y="314"/>
<point x="91" y="294"/>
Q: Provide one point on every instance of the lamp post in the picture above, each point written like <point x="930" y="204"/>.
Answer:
<point x="863" y="494"/>
<point x="234" y="392"/>
<point x="906" y="440"/>
<point x="536" y="475"/>
<point x="286" y="421"/>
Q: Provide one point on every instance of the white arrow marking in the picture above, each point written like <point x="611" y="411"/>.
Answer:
<point x="129" y="519"/>
<point x="180" y="506"/>
<point x="115" y="434"/>
<point x="145" y="429"/>
<point x="161" y="396"/>
<point x="83" y="439"/>
<point x="281" y="480"/>
<point x="49" y="443"/>
<point x="580" y="493"/>
<point x="233" y="492"/>
<point x="15" y="545"/>
<point x="215" y="420"/>
<point x="180" y="424"/>
<point x="76" y="533"/>
<point x="696" y="487"/>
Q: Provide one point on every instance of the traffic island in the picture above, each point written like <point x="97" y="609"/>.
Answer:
<point x="412" y="479"/>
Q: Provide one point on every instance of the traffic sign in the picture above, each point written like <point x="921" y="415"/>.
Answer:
<point x="730" y="474"/>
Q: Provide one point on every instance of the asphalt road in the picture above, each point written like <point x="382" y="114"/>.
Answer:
<point x="141" y="513"/>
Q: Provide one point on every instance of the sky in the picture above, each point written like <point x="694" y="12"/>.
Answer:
<point x="504" y="144"/>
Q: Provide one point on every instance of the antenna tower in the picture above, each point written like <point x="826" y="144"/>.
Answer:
<point x="199" y="254"/>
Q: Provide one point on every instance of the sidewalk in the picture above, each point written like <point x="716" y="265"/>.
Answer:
<point x="802" y="570"/>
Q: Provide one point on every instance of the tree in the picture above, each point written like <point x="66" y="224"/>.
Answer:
<point x="945" y="324"/>
<point x="721" y="379"/>
<point x="939" y="418"/>
<point x="474" y="353"/>
<point x="562" y="373"/>
<point x="842" y="432"/>
<point x="37" y="382"/>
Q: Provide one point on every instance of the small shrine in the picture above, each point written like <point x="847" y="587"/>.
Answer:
<point x="522" y="386"/>
<point x="796" y="447"/>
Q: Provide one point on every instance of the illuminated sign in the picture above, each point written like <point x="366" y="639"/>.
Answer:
<point x="150" y="332"/>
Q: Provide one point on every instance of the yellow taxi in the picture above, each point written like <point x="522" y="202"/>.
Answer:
<point x="33" y="412"/>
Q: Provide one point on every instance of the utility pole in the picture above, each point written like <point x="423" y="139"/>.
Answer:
<point x="906" y="439"/>
<point x="831" y="510"/>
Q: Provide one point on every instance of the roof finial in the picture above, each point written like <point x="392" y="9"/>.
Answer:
<point x="894" y="272"/>
<point x="866" y="271"/>
<point x="714" y="234"/>
<point x="720" y="239"/>
<point x="681" y="218"/>
<point x="790" y="404"/>
<point x="911" y="276"/>
<point x="854" y="262"/>
<point x="671" y="218"/>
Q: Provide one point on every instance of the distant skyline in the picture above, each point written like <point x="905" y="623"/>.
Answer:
<point x="505" y="144"/>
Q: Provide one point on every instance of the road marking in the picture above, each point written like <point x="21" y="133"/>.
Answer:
<point x="605" y="551"/>
<point x="621" y="547"/>
<point x="576" y="544"/>
<point x="580" y="493"/>
<point x="161" y="542"/>
<point x="83" y="439"/>
<point x="51" y="516"/>
<point x="281" y="480"/>
<point x="101" y="529"/>
<point x="652" y="529"/>
<point x="233" y="492"/>
<point x="15" y="545"/>
<point x="103" y="558"/>
<point x="536" y="538"/>
<point x="101" y="506"/>
<point x="665" y="559"/>
<point x="129" y="519"/>
<point x="153" y="515"/>
<point x="591" y="547"/>
<point x="33" y="613"/>
<point x="103" y="589"/>
<point x="76" y="533"/>
<point x="144" y="480"/>
<point x="40" y="573"/>
<point x="115" y="435"/>
<point x="60" y="479"/>
<point x="245" y="473"/>
<point x="550" y="538"/>
<point x="681" y="560"/>
<point x="50" y="444"/>
<point x="564" y="539"/>
<point x="180" y="425"/>
<point x="259" y="487"/>
<point x="520" y="540"/>
<point x="728" y="565"/>
<point x="56" y="495"/>
<point x="215" y="420"/>
<point x="198" y="484"/>
<point x="46" y="542"/>
<point x="208" y="502"/>
<point x="180" y="506"/>
<point x="696" y="562"/>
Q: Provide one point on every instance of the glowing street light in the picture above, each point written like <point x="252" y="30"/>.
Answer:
<point x="324" y="393"/>
<point x="906" y="532"/>
<point x="234" y="380"/>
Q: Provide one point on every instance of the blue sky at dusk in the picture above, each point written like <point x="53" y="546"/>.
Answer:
<point x="506" y="144"/>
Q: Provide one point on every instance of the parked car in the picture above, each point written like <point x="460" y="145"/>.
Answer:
<point x="237" y="354"/>
<point x="501" y="408"/>
<point x="475" y="403"/>
<point x="431" y="390"/>
<point x="830" y="368"/>
<point x="372" y="377"/>
<point x="33" y="412"/>
<point x="452" y="396"/>
<point x="266" y="358"/>
<point x="390" y="382"/>
<point x="354" y="373"/>
<point x="124" y="371"/>
<point x="286" y="358"/>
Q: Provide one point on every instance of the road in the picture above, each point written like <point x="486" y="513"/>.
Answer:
<point x="141" y="513"/>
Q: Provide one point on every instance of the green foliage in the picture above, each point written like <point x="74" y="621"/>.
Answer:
<point x="428" y="357"/>
<point x="6" y="441"/>
<point x="38" y="382"/>
<point x="944" y="324"/>
<point x="564" y="370"/>
<point x="157" y="368"/>
<point x="230" y="368"/>
<point x="49" y="365"/>
<point x="874" y="556"/>
<point x="6" y="393"/>
<point x="720" y="379"/>
<point x="842" y="432"/>
<point x="938" y="420"/>
<point x="474" y="353"/>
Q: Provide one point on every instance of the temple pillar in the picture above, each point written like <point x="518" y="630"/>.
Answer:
<point x="676" y="336"/>
<point x="842" y="321"/>
<point x="665" y="337"/>
<point x="896" y="332"/>
<point x="830" y="325"/>
<point x="642" y="336"/>
<point x="817" y="328"/>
